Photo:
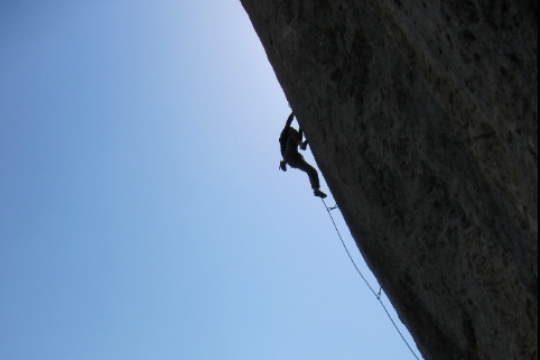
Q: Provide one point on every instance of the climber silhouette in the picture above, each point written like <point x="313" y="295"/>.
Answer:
<point x="290" y="139"/>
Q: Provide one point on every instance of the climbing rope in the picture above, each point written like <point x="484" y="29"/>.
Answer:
<point x="378" y="295"/>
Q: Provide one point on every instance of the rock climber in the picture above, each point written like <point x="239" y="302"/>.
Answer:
<point x="290" y="140"/>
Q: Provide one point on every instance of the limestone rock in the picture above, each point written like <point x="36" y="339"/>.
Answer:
<point x="423" y="118"/>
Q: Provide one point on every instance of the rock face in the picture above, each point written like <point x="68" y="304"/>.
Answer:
<point x="423" y="117"/>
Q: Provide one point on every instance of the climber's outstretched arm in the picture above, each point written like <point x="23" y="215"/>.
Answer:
<point x="289" y="120"/>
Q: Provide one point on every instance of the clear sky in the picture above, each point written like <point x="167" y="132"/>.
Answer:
<point x="142" y="212"/>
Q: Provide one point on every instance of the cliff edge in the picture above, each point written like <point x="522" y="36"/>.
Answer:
<point x="423" y="118"/>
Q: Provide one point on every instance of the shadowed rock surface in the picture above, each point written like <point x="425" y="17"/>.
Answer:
<point x="423" y="117"/>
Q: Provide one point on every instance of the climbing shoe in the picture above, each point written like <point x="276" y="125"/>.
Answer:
<point x="319" y="193"/>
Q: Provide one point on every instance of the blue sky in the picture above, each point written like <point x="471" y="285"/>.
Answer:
<point x="142" y="213"/>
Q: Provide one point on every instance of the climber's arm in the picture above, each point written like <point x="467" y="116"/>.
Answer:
<point x="301" y="143"/>
<point x="289" y="120"/>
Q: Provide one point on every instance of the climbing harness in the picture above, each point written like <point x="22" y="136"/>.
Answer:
<point x="378" y="295"/>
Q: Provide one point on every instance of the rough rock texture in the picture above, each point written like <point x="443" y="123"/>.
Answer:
<point x="423" y="117"/>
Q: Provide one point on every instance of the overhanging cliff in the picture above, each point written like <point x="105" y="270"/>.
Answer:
<point x="423" y="118"/>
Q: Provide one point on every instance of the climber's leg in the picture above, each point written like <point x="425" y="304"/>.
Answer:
<point x="298" y="162"/>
